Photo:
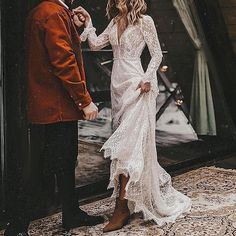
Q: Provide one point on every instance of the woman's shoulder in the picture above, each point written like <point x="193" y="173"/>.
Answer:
<point x="147" y="19"/>
<point x="111" y="22"/>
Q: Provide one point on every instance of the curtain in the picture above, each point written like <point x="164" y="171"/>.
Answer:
<point x="201" y="107"/>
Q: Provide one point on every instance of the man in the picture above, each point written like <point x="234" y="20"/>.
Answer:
<point x="57" y="99"/>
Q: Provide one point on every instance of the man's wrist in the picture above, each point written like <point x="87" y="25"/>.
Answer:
<point x="85" y="102"/>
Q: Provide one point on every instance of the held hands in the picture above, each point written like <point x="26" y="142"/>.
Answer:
<point x="145" y="87"/>
<point x="79" y="22"/>
<point x="90" y="112"/>
<point x="81" y="16"/>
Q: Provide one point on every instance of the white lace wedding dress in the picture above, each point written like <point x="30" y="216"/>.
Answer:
<point x="132" y="146"/>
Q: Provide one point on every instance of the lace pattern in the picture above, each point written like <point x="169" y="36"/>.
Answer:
<point x="151" y="38"/>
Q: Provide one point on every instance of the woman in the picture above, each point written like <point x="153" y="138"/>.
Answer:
<point x="140" y="183"/>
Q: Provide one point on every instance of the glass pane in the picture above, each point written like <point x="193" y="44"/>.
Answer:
<point x="176" y="139"/>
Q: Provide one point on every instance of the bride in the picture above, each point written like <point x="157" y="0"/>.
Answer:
<point x="140" y="183"/>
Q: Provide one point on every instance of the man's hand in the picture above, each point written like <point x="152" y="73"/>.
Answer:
<point x="82" y="14"/>
<point x="145" y="87"/>
<point x="90" y="112"/>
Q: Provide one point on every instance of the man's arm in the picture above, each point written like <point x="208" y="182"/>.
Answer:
<point x="63" y="60"/>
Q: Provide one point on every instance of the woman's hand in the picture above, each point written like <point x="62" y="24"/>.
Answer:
<point x="79" y="21"/>
<point x="82" y="15"/>
<point x="145" y="87"/>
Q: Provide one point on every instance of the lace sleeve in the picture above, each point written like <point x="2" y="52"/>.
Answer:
<point x="96" y="42"/>
<point x="152" y="41"/>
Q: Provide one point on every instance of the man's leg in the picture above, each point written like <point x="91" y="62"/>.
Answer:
<point x="29" y="192"/>
<point x="60" y="158"/>
<point x="63" y="152"/>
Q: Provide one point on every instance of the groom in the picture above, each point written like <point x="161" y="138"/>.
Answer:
<point x="57" y="99"/>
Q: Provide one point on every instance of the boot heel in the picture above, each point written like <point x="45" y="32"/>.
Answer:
<point x="126" y="222"/>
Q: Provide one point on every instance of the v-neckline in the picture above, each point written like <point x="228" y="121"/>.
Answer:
<point x="117" y="36"/>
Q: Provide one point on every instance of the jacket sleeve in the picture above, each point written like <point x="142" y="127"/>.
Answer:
<point x="62" y="57"/>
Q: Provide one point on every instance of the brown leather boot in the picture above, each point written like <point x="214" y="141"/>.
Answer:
<point x="120" y="216"/>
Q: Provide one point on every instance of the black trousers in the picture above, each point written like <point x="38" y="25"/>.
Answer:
<point x="54" y="147"/>
<point x="53" y="156"/>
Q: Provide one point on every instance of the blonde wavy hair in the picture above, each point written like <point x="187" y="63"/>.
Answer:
<point x="125" y="12"/>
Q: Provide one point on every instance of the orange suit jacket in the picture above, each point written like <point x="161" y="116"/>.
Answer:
<point x="55" y="73"/>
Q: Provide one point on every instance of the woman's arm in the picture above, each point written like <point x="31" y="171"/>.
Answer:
<point x="152" y="41"/>
<point x="96" y="42"/>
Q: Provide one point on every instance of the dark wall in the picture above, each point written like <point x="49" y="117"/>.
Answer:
<point x="14" y="14"/>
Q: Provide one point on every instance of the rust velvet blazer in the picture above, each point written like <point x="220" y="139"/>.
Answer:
<point x="54" y="67"/>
